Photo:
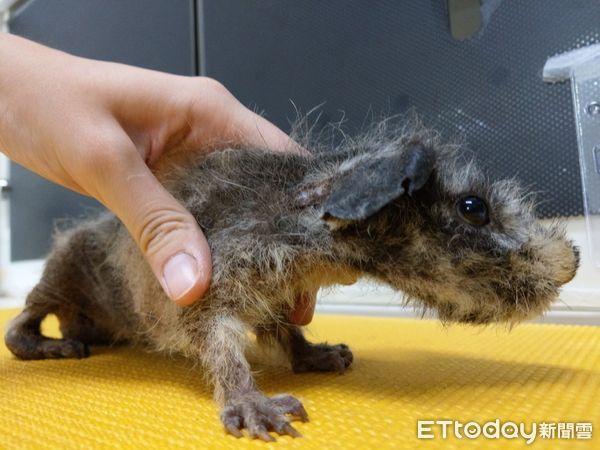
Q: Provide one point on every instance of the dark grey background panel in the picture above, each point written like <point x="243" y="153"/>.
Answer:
<point x="36" y="206"/>
<point x="388" y="56"/>
<point x="156" y="34"/>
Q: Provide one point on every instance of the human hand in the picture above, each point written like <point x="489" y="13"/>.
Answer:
<point x="99" y="128"/>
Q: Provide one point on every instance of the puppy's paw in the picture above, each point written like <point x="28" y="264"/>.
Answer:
<point x="260" y="414"/>
<point x="323" y="358"/>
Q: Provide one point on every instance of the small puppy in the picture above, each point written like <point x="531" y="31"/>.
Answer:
<point x="395" y="205"/>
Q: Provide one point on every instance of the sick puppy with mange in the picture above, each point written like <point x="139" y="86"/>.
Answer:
<point x="395" y="205"/>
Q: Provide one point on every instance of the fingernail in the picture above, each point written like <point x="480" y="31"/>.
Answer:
<point x="180" y="275"/>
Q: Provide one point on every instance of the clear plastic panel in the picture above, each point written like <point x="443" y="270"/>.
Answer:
<point x="585" y="81"/>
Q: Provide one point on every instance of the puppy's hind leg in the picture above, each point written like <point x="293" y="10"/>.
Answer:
<point x="25" y="340"/>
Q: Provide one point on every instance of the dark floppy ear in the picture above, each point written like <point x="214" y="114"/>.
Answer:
<point x="374" y="183"/>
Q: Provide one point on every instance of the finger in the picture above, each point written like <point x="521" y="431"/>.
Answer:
<point x="255" y="131"/>
<point x="236" y="124"/>
<point x="164" y="230"/>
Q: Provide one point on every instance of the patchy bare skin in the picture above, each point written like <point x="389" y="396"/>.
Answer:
<point x="384" y="206"/>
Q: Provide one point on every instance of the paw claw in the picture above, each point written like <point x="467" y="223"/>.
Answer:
<point x="259" y="414"/>
<point x="302" y="414"/>
<point x="290" y="431"/>
<point x="264" y="436"/>
<point x="234" y="431"/>
<point x="232" y="421"/>
<point x="290" y="405"/>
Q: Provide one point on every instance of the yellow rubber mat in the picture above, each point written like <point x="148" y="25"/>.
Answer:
<point x="404" y="371"/>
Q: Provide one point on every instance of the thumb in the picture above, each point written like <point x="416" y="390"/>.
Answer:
<point x="164" y="230"/>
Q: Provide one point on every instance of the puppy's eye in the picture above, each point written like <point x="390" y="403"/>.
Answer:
<point x="474" y="211"/>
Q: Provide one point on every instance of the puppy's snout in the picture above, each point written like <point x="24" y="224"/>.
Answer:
<point x="568" y="268"/>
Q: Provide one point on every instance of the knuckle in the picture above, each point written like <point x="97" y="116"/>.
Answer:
<point x="156" y="229"/>
<point x="213" y="86"/>
<point x="214" y="108"/>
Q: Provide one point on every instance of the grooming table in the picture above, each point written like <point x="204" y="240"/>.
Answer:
<point x="404" y="370"/>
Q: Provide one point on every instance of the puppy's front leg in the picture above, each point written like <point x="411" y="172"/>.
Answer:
<point x="244" y="406"/>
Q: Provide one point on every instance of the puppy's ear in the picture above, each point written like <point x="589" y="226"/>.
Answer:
<point x="371" y="183"/>
<point x="374" y="183"/>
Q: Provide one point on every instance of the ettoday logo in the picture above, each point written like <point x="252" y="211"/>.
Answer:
<point x="496" y="429"/>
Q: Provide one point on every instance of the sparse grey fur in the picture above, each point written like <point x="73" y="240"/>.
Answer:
<point x="272" y="235"/>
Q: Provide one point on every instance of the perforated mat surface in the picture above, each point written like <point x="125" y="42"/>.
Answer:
<point x="404" y="371"/>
